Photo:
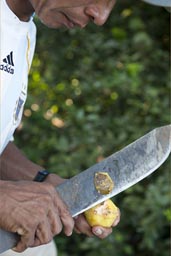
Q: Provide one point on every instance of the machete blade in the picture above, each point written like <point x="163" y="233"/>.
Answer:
<point x="126" y="167"/>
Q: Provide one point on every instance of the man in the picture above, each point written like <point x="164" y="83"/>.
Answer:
<point x="34" y="210"/>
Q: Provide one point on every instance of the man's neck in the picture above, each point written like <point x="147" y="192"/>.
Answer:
<point x="22" y="9"/>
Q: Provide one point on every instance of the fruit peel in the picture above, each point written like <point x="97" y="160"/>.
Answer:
<point x="103" y="183"/>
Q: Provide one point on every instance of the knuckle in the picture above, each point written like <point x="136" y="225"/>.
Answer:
<point x="39" y="217"/>
<point x="40" y="213"/>
<point x="30" y="243"/>
<point x="65" y="212"/>
<point x="47" y="198"/>
<point x="20" y="248"/>
<point x="48" y="239"/>
<point x="49" y="187"/>
<point x="57" y="230"/>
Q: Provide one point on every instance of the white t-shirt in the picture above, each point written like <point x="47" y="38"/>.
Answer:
<point x="17" y="44"/>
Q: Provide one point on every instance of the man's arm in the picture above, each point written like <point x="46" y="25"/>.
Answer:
<point x="14" y="165"/>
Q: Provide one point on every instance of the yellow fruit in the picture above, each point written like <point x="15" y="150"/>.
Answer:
<point x="103" y="214"/>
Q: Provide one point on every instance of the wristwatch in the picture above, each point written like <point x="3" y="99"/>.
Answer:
<point x="41" y="176"/>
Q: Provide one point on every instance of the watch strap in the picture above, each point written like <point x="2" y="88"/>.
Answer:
<point x="41" y="176"/>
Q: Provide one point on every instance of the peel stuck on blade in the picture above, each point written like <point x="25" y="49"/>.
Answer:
<point x="103" y="183"/>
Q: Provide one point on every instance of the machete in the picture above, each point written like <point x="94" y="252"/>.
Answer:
<point x="125" y="167"/>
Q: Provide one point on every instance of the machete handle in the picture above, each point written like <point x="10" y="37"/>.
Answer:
<point x="8" y="240"/>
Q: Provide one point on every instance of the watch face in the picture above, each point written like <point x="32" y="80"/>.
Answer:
<point x="41" y="176"/>
<point x="165" y="3"/>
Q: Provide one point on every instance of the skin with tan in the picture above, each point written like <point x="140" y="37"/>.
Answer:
<point x="67" y="13"/>
<point x="36" y="211"/>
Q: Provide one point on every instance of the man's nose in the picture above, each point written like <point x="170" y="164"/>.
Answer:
<point x="98" y="15"/>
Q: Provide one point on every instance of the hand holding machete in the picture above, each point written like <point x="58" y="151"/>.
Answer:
<point x="37" y="213"/>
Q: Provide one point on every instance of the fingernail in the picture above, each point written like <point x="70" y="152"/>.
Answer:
<point x="69" y="234"/>
<point x="98" y="232"/>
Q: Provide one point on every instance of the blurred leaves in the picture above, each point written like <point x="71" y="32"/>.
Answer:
<point x="92" y="92"/>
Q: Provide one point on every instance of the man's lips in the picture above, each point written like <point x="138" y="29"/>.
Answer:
<point x="67" y="22"/>
<point x="70" y="23"/>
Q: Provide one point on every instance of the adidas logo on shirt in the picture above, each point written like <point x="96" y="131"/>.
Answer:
<point x="8" y="64"/>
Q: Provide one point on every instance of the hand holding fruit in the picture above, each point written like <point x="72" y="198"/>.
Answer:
<point x="98" y="220"/>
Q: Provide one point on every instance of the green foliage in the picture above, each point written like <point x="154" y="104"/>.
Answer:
<point x="92" y="92"/>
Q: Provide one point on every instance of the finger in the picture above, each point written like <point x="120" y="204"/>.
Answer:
<point x="27" y="240"/>
<point x="77" y="230"/>
<point x="65" y="216"/>
<point x="117" y="220"/>
<point x="43" y="232"/>
<point x="55" y="222"/>
<point x="82" y="226"/>
<point x="67" y="221"/>
<point x="20" y="247"/>
<point x="47" y="228"/>
<point x="101" y="232"/>
<point x="115" y="223"/>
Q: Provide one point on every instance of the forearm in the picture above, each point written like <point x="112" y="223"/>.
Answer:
<point x="14" y="165"/>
